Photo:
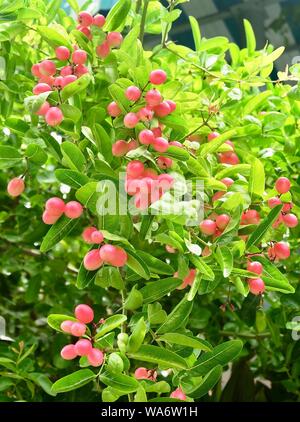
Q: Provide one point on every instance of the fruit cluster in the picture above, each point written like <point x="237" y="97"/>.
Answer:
<point x="106" y="254"/>
<point x="84" y="346"/>
<point x="56" y="207"/>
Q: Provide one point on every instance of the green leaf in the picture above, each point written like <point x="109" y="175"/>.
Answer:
<point x="119" y="382"/>
<point x="158" y="355"/>
<point x="213" y="145"/>
<point x="73" y="381"/>
<point x="195" y="287"/>
<point x="168" y="240"/>
<point x="103" y="141"/>
<point x="36" y="154"/>
<point x="156" y="265"/>
<point x="9" y="156"/>
<point x="55" y="320"/>
<point x="76" y="87"/>
<point x="155" y="290"/>
<point x="225" y="260"/>
<point x="156" y="315"/>
<point x="196" y="167"/>
<point x="177" y="318"/>
<point x="273" y="277"/>
<point x="196" y="32"/>
<point x="72" y="156"/>
<point x="118" y="96"/>
<point x="84" y="277"/>
<point x="254" y="102"/>
<point x="264" y="226"/>
<point x="137" y="337"/>
<point x="208" y="382"/>
<point x="134" y="299"/>
<point x="62" y="228"/>
<point x="110" y="324"/>
<point x="257" y="178"/>
<point x="88" y="195"/>
<point x="204" y="270"/>
<point x="250" y="37"/>
<point x="53" y="37"/>
<point x="72" y="178"/>
<point x="183" y="340"/>
<point x="220" y="355"/>
<point x="137" y="264"/>
<point x="117" y="15"/>
<point x="177" y="153"/>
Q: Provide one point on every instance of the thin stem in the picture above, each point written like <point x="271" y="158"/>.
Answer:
<point x="143" y="21"/>
<point x="138" y="6"/>
<point x="244" y="335"/>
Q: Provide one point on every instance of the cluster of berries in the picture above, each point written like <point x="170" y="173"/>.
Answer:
<point x="83" y="347"/>
<point x="107" y="254"/>
<point x="188" y="280"/>
<point x="86" y="20"/>
<point x="215" y="225"/>
<point x="55" y="207"/>
<point x="229" y="157"/>
<point x="282" y="186"/>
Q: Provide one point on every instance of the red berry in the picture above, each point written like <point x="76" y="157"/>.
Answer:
<point x="131" y="120"/>
<point x="282" y="250"/>
<point x="229" y="158"/>
<point x="62" y="53"/>
<point x="164" y="162"/>
<point x="287" y="207"/>
<point x="172" y="105"/>
<point x="68" y="352"/>
<point x="54" y="116"/>
<point x="133" y="93"/>
<point x="145" y="114"/>
<point x="120" y="148"/>
<point x="222" y="221"/>
<point x="208" y="227"/>
<point x="146" y="137"/>
<point x="87" y="234"/>
<point x="73" y="209"/>
<point x="153" y="97"/>
<point x="132" y="145"/>
<point x="135" y="169"/>
<point x="66" y="71"/>
<point x="92" y="260"/>
<point x="55" y="206"/>
<point x="158" y="77"/>
<point x="49" y="218"/>
<point x="35" y="70"/>
<point x="84" y="313"/>
<point x="95" y="357"/>
<point x="160" y="144"/>
<point x="86" y="31"/>
<point x="256" y="286"/>
<point x="272" y="202"/>
<point x="47" y="67"/>
<point x="97" y="237"/>
<point x="189" y="279"/>
<point x="79" y="57"/>
<point x="170" y="249"/>
<point x="162" y="109"/>
<point x="103" y="50"/>
<point x="15" y="186"/>
<point x="212" y="136"/>
<point x="113" y="109"/>
<point x="255" y="267"/>
<point x="114" y="255"/>
<point x="43" y="109"/>
<point x="178" y="394"/>
<point x="68" y="80"/>
<point x="83" y="347"/>
<point x="99" y="20"/>
<point x="78" y="329"/>
<point x="40" y="88"/>
<point x="282" y="185"/>
<point x="176" y="144"/>
<point x="85" y="18"/>
<point x="227" y="181"/>
<point x="66" y="326"/>
<point x="114" y="39"/>
<point x="290" y="220"/>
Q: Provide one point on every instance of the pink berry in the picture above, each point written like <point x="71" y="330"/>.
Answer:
<point x="92" y="260"/>
<point x="68" y="352"/>
<point x="153" y="97"/>
<point x="47" y="67"/>
<point x="145" y="114"/>
<point x="85" y="18"/>
<point x="114" y="39"/>
<point x="256" y="286"/>
<point x="55" y="206"/>
<point x="73" y="209"/>
<point x="212" y="136"/>
<point x="150" y="173"/>
<point x="35" y="70"/>
<point x="250" y="217"/>
<point x="95" y="357"/>
<point x="135" y="169"/>
<point x="290" y="220"/>
<point x="217" y="196"/>
<point x="230" y="143"/>
<point x="83" y="347"/>
<point x="68" y="80"/>
<point x="255" y="267"/>
<point x="114" y="255"/>
<point x="178" y="394"/>
<point x="40" y="88"/>
<point x="282" y="185"/>
<point x="78" y="329"/>
<point x="103" y="50"/>
<point x="97" y="237"/>
<point x="162" y="109"/>
<point x="287" y="206"/>
<point x="49" y="218"/>
<point x="146" y="137"/>
<point x="222" y="221"/>
<point x="113" y="109"/>
<point x="176" y="144"/>
<point x="62" y="53"/>
<point x="66" y="326"/>
<point x="54" y="116"/>
<point x="131" y="120"/>
<point x="229" y="158"/>
<point x="86" y="31"/>
<point x="132" y="145"/>
<point x="172" y="105"/>
<point x="164" y="162"/>
<point x="15" y="186"/>
<point x="189" y="279"/>
<point x="158" y="77"/>
<point x="49" y="80"/>
<point x="43" y="109"/>
<point x="282" y="250"/>
<point x="157" y="132"/>
<point x="58" y="82"/>
<point x="87" y="234"/>
<point x="99" y="20"/>
<point x="120" y="148"/>
<point x="165" y="181"/>
<point x="208" y="227"/>
<point x="84" y="313"/>
<point x="272" y="202"/>
<point x="160" y="144"/>
<point x="133" y="93"/>
<point x="79" y="57"/>
<point x="80" y="70"/>
<point x="141" y="373"/>
<point x="170" y="249"/>
<point x="66" y="71"/>
<point x="227" y="181"/>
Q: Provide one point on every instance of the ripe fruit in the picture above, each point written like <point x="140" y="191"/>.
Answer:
<point x="170" y="249"/>
<point x="250" y="217"/>
<point x="172" y="105"/>
<point x="282" y="250"/>
<point x="66" y="326"/>
<point x="256" y="286"/>
<point x="141" y="373"/>
<point x="157" y="132"/>
<point x="164" y="162"/>
<point x="282" y="185"/>
<point x="55" y="206"/>
<point x="145" y="114"/>
<point x="103" y="50"/>
<point x="73" y="209"/>
<point x="131" y="120"/>
<point x="146" y="137"/>
<point x="47" y="67"/>
<point x="153" y="97"/>
<point x="85" y="18"/>
<point x="208" y="227"/>
<point x="227" y="181"/>
<point x="78" y="329"/>
<point x="272" y="202"/>
<point x="15" y="186"/>
<point x="135" y="169"/>
<point x="287" y="206"/>
<point x="35" y="70"/>
<point x="158" y="77"/>
<point x="97" y="237"/>
<point x="162" y="109"/>
<point x="114" y="255"/>
<point x="229" y="158"/>
<point x="176" y="144"/>
<point x="178" y="394"/>
<point x="132" y="145"/>
<point x="68" y="352"/>
<point x="62" y="53"/>
<point x="290" y="220"/>
<point x="119" y="148"/>
<point x="160" y="144"/>
<point x="67" y="70"/>
<point x="43" y="109"/>
<point x="87" y="234"/>
<point x="189" y="279"/>
<point x="49" y="218"/>
<point x="95" y="357"/>
<point x="255" y="267"/>
<point x="212" y="136"/>
<point x="79" y="57"/>
<point x="99" y="20"/>
<point x="222" y="221"/>
<point x="54" y="116"/>
<point x="83" y="347"/>
<point x="114" y="39"/>
<point x="85" y="30"/>
<point x="133" y="93"/>
<point x="84" y="313"/>
<point x="68" y="79"/>
<point x="41" y="87"/>
<point x="92" y="260"/>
